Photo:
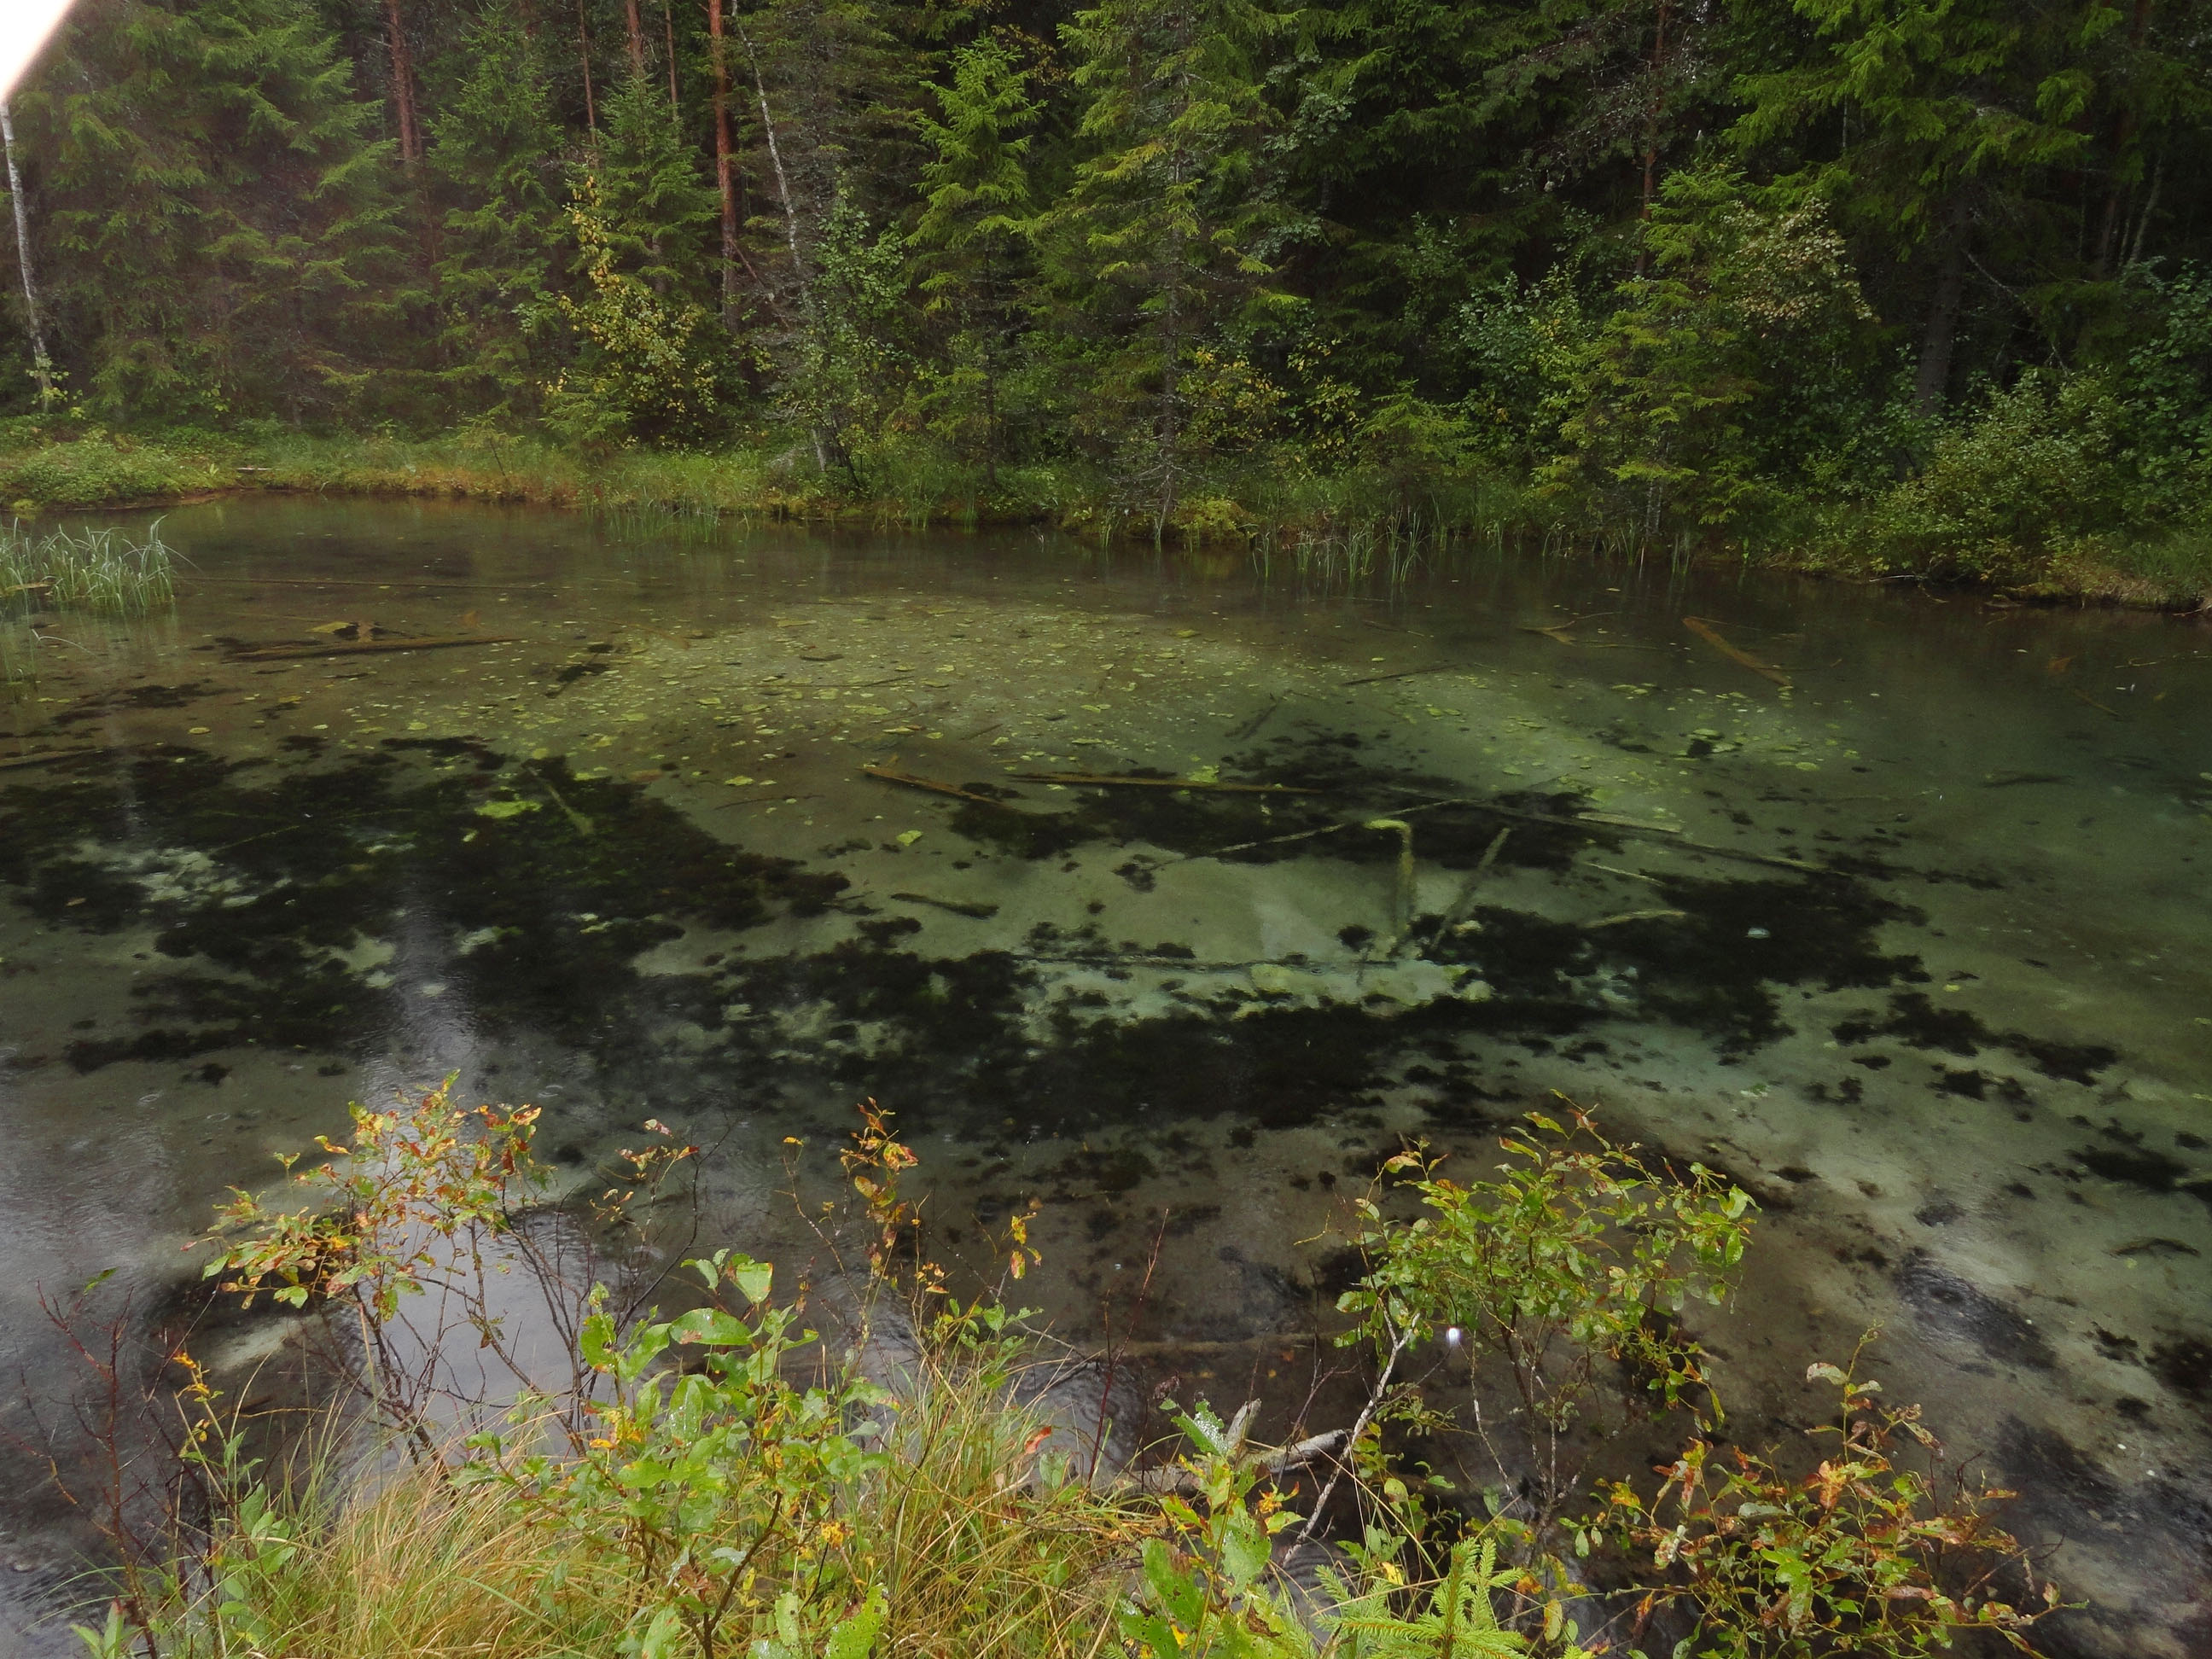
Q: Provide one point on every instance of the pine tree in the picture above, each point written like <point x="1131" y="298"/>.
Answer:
<point x="496" y="152"/>
<point x="220" y="221"/>
<point x="1160" y="234"/>
<point x="974" y="234"/>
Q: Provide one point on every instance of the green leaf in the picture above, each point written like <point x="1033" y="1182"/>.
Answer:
<point x="664" y="1637"/>
<point x="749" y="1276"/>
<point x="1244" y="1550"/>
<point x="1182" y="1598"/>
<point x="712" y="1328"/>
<point x="855" y="1635"/>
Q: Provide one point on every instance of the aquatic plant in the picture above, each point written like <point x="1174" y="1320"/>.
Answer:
<point x="89" y="570"/>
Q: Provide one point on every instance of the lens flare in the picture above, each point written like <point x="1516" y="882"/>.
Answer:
<point x="24" y="26"/>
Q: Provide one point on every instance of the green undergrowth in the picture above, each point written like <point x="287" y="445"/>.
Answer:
<point x="728" y="1471"/>
<point x="1978" y="516"/>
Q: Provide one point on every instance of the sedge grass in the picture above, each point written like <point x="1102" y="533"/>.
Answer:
<point x="977" y="1558"/>
<point x="98" y="571"/>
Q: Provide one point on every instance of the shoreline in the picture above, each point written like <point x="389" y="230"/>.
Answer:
<point x="100" y="471"/>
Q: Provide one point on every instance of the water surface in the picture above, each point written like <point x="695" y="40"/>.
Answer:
<point x="1912" y="947"/>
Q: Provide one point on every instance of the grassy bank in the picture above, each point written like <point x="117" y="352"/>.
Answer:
<point x="1371" y="520"/>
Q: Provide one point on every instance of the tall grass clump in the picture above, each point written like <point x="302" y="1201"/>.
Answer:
<point x="86" y="570"/>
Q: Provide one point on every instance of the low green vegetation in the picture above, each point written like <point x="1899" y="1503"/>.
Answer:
<point x="718" y="1479"/>
<point x="1892" y="294"/>
<point x="100" y="570"/>
<point x="88" y="570"/>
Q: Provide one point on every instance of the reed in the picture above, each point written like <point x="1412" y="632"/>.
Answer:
<point x="98" y="571"/>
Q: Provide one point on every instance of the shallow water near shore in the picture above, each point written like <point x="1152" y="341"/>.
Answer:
<point x="1913" y="946"/>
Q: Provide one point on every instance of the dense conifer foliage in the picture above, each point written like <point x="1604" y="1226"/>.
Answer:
<point x="1692" y="271"/>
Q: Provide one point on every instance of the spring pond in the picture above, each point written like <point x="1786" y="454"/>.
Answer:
<point x="1913" y="947"/>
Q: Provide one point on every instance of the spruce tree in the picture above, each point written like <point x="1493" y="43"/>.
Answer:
<point x="973" y="237"/>
<point x="1160" y="235"/>
<point x="1948" y="116"/>
<point x="496" y="152"/>
<point x="221" y="221"/>
<point x="659" y="212"/>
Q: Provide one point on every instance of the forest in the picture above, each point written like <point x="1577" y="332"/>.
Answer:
<point x="1884" y="285"/>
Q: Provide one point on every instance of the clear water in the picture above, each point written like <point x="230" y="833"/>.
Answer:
<point x="1914" y="948"/>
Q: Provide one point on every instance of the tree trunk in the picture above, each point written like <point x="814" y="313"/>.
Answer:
<point x="1651" y="118"/>
<point x="584" y="53"/>
<point x="1171" y="390"/>
<point x="42" y="368"/>
<point x="790" y="223"/>
<point x="725" y="160"/>
<point x="2150" y="206"/>
<point x="637" y="41"/>
<point x="1933" y="377"/>
<point x="668" y="22"/>
<point x="403" y="85"/>
<point x="2124" y="132"/>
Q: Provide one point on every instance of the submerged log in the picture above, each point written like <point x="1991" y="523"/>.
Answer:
<point x="1705" y="631"/>
<point x="358" y="647"/>
<point x="958" y="907"/>
<point x="891" y="774"/>
<point x="1100" y="779"/>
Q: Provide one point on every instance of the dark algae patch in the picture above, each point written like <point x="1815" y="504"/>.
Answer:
<point x="1949" y="1305"/>
<point x="536" y="890"/>
<point x="1917" y="1022"/>
<point x="537" y="887"/>
<point x="975" y="1036"/>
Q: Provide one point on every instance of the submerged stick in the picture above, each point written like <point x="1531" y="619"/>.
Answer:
<point x="1249" y="726"/>
<point x="1308" y="835"/>
<point x="958" y="907"/>
<point x="1456" y="912"/>
<point x="890" y="774"/>
<point x="1401" y="905"/>
<point x="1610" y="820"/>
<point x="1677" y="839"/>
<point x="1705" y="631"/>
<point x="345" y="581"/>
<point x="45" y="757"/>
<point x="1634" y="915"/>
<point x="1633" y="875"/>
<point x="1402" y="674"/>
<point x="1099" y="779"/>
<point x="577" y="821"/>
<point x="358" y="647"/>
